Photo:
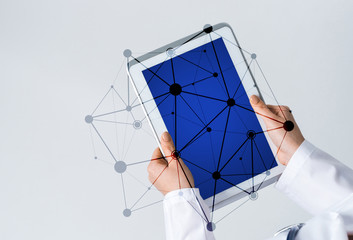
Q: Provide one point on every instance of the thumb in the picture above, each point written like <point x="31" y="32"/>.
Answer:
<point x="167" y="144"/>
<point x="261" y="108"/>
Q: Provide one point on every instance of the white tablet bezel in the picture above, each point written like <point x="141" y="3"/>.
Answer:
<point x="137" y="65"/>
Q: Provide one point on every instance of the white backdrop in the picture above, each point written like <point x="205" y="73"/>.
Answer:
<point x="58" y="58"/>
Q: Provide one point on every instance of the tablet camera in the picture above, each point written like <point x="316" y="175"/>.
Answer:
<point x="207" y="28"/>
<point x="170" y="52"/>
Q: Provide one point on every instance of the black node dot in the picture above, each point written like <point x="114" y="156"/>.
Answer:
<point x="88" y="119"/>
<point x="175" y="154"/>
<point x="128" y="108"/>
<point x="192" y="83"/>
<point x="288" y="126"/>
<point x="207" y="28"/>
<point x="231" y="102"/>
<point x="211" y="226"/>
<point x="204" y="50"/>
<point x="240" y="158"/>
<point x="172" y="113"/>
<point x="216" y="175"/>
<point x="208" y="129"/>
<point x="215" y="74"/>
<point x="175" y="89"/>
<point x="251" y="134"/>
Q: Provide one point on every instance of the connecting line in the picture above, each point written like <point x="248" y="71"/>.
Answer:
<point x="232" y="211"/>
<point x="270" y="89"/>
<point x="252" y="164"/>
<point x="278" y="149"/>
<point x="155" y="97"/>
<point x="263" y="162"/>
<point x="119" y="96"/>
<point x="148" y="205"/>
<point x="139" y="199"/>
<point x="214" y="198"/>
<point x="233" y="155"/>
<point x="99" y="120"/>
<point x="269" y="130"/>
<point x="197" y="166"/>
<point x="175" y="121"/>
<point x="160" y="66"/>
<point x="128" y="91"/>
<point x="130" y="164"/>
<point x="199" y="95"/>
<point x="203" y="129"/>
<point x="261" y="183"/>
<point x="224" y="136"/>
<point x="95" y="129"/>
<point x="235" y="185"/>
<point x="193" y="190"/>
<point x="122" y="182"/>
<point x="192" y="109"/>
<point x="193" y="83"/>
<point x="151" y="71"/>
<point x="241" y="81"/>
<point x="198" y="137"/>
<point x="178" y="173"/>
<point x="104" y="114"/>
<point x="155" y="107"/>
<point x="195" y="36"/>
<point x="171" y="62"/>
<point x="195" y="64"/>
<point x="219" y="66"/>
<point x="101" y="101"/>
<point x="240" y="174"/>
<point x="232" y="43"/>
<point x="258" y="113"/>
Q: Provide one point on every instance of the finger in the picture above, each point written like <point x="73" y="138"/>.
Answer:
<point x="158" y="159"/>
<point x="261" y="108"/>
<point x="167" y="144"/>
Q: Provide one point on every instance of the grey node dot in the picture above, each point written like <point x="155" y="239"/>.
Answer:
<point x="268" y="173"/>
<point x="137" y="124"/>
<point x="95" y="157"/>
<point x="253" y="56"/>
<point x="211" y="226"/>
<point x="127" y="212"/>
<point x="128" y="108"/>
<point x="127" y="53"/>
<point x="170" y="52"/>
<point x="120" y="166"/>
<point x="181" y="193"/>
<point x="253" y="196"/>
<point x="89" y="119"/>
<point x="112" y="86"/>
<point x="149" y="188"/>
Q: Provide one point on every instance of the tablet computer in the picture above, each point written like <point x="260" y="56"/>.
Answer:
<point x="198" y="89"/>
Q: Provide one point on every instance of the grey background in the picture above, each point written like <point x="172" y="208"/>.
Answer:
<point x="57" y="59"/>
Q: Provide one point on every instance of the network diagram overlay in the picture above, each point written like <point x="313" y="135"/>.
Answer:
<point x="206" y="109"/>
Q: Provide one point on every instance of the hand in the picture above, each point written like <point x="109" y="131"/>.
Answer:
<point x="168" y="174"/>
<point x="273" y="117"/>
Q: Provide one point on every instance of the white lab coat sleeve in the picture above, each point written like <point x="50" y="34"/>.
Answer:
<point x="315" y="180"/>
<point x="186" y="215"/>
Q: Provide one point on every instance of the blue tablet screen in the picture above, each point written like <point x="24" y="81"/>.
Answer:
<point x="208" y="114"/>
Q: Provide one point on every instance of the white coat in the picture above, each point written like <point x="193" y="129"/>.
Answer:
<point x="313" y="179"/>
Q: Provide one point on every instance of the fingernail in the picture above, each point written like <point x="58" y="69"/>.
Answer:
<point x="166" y="137"/>
<point x="254" y="99"/>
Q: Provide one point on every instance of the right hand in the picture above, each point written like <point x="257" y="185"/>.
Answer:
<point x="275" y="117"/>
